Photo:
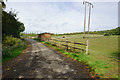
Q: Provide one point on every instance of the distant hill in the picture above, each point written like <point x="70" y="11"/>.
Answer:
<point x="115" y="31"/>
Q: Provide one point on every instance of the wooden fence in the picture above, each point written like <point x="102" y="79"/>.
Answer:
<point x="56" y="42"/>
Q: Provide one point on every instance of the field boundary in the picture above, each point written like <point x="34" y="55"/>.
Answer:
<point x="58" y="43"/>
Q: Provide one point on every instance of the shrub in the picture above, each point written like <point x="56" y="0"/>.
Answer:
<point x="106" y="34"/>
<point x="9" y="44"/>
<point x="10" y="40"/>
<point x="47" y="43"/>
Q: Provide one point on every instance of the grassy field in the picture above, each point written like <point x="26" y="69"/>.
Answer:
<point x="103" y="53"/>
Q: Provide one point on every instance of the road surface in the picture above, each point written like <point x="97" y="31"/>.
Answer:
<point x="41" y="61"/>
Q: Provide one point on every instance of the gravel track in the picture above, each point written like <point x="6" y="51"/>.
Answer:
<point x="42" y="62"/>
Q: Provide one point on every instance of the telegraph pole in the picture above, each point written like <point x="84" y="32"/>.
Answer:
<point x="84" y="19"/>
<point x="90" y="4"/>
<point x="87" y="41"/>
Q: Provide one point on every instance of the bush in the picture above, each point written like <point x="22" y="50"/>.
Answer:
<point x="47" y="43"/>
<point x="10" y="40"/>
<point x="9" y="44"/>
<point x="106" y="34"/>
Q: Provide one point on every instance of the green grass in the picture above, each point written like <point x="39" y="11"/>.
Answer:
<point x="15" y="52"/>
<point x="103" y="52"/>
<point x="84" y="59"/>
<point x="37" y="39"/>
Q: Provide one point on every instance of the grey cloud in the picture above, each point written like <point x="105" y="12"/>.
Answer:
<point x="64" y="24"/>
<point x="43" y="20"/>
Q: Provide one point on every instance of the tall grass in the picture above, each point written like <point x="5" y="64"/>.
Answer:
<point x="12" y="47"/>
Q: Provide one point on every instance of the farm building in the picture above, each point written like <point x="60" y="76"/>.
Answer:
<point x="44" y="36"/>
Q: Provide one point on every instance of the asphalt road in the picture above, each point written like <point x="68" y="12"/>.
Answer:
<point x="41" y="62"/>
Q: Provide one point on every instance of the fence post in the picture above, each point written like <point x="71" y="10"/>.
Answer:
<point x="74" y="46"/>
<point x="87" y="47"/>
<point x="50" y="42"/>
<point x="59" y="44"/>
<point x="67" y="45"/>
<point x="54" y="42"/>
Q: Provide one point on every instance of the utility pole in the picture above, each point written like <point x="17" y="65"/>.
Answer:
<point x="84" y="19"/>
<point x="87" y="41"/>
<point x="89" y="4"/>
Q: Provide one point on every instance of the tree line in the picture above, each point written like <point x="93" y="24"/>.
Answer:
<point x="115" y="31"/>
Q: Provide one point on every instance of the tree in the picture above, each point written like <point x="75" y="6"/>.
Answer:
<point x="3" y="4"/>
<point x="22" y="28"/>
<point x="11" y="25"/>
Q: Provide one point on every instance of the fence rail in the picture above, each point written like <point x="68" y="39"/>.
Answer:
<point x="67" y="46"/>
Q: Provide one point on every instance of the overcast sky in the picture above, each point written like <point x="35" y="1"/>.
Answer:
<point x="64" y="17"/>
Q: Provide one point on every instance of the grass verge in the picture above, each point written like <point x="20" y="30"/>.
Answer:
<point x="15" y="52"/>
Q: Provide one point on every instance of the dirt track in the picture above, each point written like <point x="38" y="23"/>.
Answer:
<point x="42" y="62"/>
